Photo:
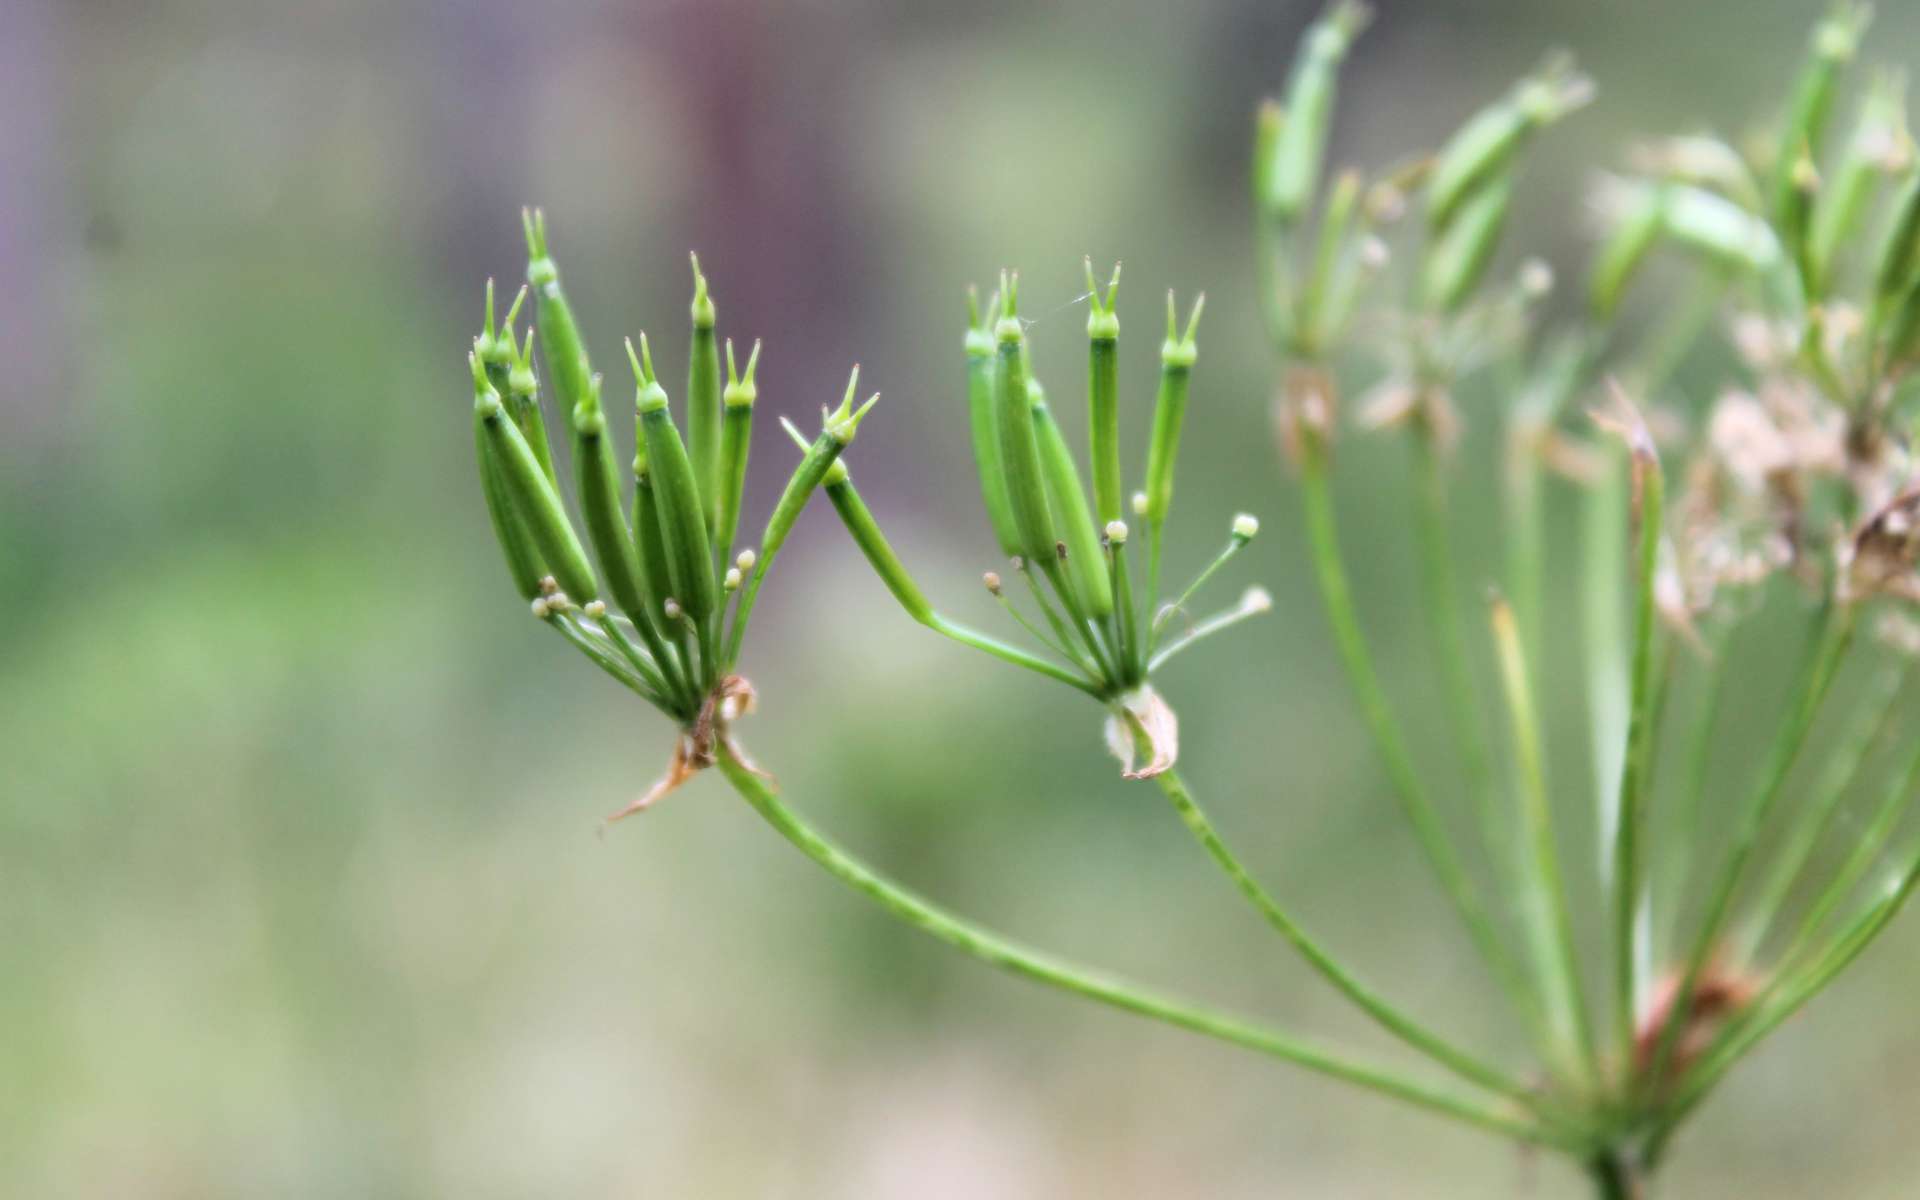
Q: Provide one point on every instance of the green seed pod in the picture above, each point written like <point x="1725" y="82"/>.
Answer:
<point x="522" y="399"/>
<point x="1835" y="39"/>
<point x="1342" y="202"/>
<point x="1457" y="262"/>
<point x="703" y="400"/>
<point x="1485" y="146"/>
<point x="1267" y="124"/>
<point x="523" y="558"/>
<point x="1177" y="356"/>
<point x="1103" y="394"/>
<point x="1625" y="249"/>
<point x="1086" y="565"/>
<point x="1903" y="337"/>
<point x="1301" y="142"/>
<point x="1879" y="149"/>
<point x="984" y="421"/>
<point x="823" y="454"/>
<point x="567" y="362"/>
<point x="1797" y="220"/>
<point x="736" y="438"/>
<point x="865" y="530"/>
<point x="533" y="494"/>
<point x="683" y="525"/>
<point x="597" y="480"/>
<point x="656" y="575"/>
<point x="1895" y="263"/>
<point x="1718" y="229"/>
<point x="1019" y="450"/>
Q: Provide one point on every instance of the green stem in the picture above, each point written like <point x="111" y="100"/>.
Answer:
<point x="1337" y="595"/>
<point x="1069" y="977"/>
<point x="1012" y="654"/>
<point x="1402" y="1026"/>
<point x="1629" y="812"/>
<point x="1836" y="635"/>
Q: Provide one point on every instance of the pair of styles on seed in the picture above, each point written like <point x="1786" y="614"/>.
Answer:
<point x="667" y="610"/>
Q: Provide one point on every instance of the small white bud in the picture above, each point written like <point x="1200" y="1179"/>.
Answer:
<point x="992" y="580"/>
<point x="733" y="578"/>
<point x="744" y="560"/>
<point x="1019" y="563"/>
<point x="1374" y="254"/>
<point x="595" y="609"/>
<point x="558" y="602"/>
<point x="1117" y="532"/>
<point x="671" y="608"/>
<point x="1245" y="526"/>
<point x="548" y="585"/>
<point x="540" y="608"/>
<point x="1139" y="504"/>
<point x="1536" y="278"/>
<point x="1256" y="600"/>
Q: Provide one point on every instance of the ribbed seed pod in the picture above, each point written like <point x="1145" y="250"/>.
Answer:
<point x="736" y="438"/>
<point x="860" y="523"/>
<point x="703" y="401"/>
<point x="1019" y="451"/>
<point x="1177" y="356"/>
<point x="984" y="422"/>
<point x="516" y="545"/>
<point x="1625" y="249"/>
<point x="1103" y="395"/>
<point x="1342" y="201"/>
<point x="522" y="399"/>
<point x="1718" y="228"/>
<point x="597" y="480"/>
<point x="1301" y="142"/>
<point x="650" y="547"/>
<point x="683" y="524"/>
<point x="1485" y="146"/>
<point x="1086" y="565"/>
<point x="533" y="494"/>
<point x="1835" y="39"/>
<point x="1459" y="259"/>
<point x="1879" y="149"/>
<point x="566" y="353"/>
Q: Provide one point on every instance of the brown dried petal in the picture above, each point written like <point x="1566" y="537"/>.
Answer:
<point x="1143" y="713"/>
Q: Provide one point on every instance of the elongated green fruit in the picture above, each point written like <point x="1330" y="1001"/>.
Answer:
<point x="1835" y="40"/>
<point x="703" y="402"/>
<point x="650" y="547"/>
<point x="1894" y="268"/>
<point x="1103" y="396"/>
<point x="1019" y="449"/>
<point x="1301" y="143"/>
<point x="1177" y="356"/>
<point x="736" y="438"/>
<point x="1712" y="225"/>
<point x="533" y="494"/>
<point x="1334" y="224"/>
<point x="522" y="399"/>
<point x="1086" y="565"/>
<point x="566" y="351"/>
<point x="516" y="545"/>
<point x="683" y="525"/>
<point x="597" y="478"/>
<point x="984" y="422"/>
<point x="1880" y="148"/>
<point x="865" y="530"/>
<point x="1486" y="145"/>
<point x="1459" y="260"/>
<point x="1620" y="256"/>
<point x="842" y="424"/>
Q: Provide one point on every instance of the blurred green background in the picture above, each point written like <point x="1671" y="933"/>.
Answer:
<point x="300" y="893"/>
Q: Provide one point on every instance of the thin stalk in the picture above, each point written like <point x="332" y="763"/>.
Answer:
<point x="1630" y="813"/>
<point x="1429" y="830"/>
<point x="642" y="664"/>
<point x="606" y="660"/>
<point x="1253" y="604"/>
<point x="1040" y="635"/>
<point x="1875" y="717"/>
<point x="1199" y="581"/>
<point x="1684" y="827"/>
<point x="1549" y="887"/>
<point x="1441" y="606"/>
<point x="1401" y="1025"/>
<point x="1018" y="959"/>
<point x="1012" y="654"/>
<point x="1836" y="635"/>
<point x="1131" y="651"/>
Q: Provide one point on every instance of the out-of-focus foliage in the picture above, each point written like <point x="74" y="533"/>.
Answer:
<point x="299" y="892"/>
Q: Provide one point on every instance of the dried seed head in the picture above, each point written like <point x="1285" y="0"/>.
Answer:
<point x="1245" y="527"/>
<point x="1116" y="532"/>
<point x="992" y="580"/>
<point x="1881" y="556"/>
